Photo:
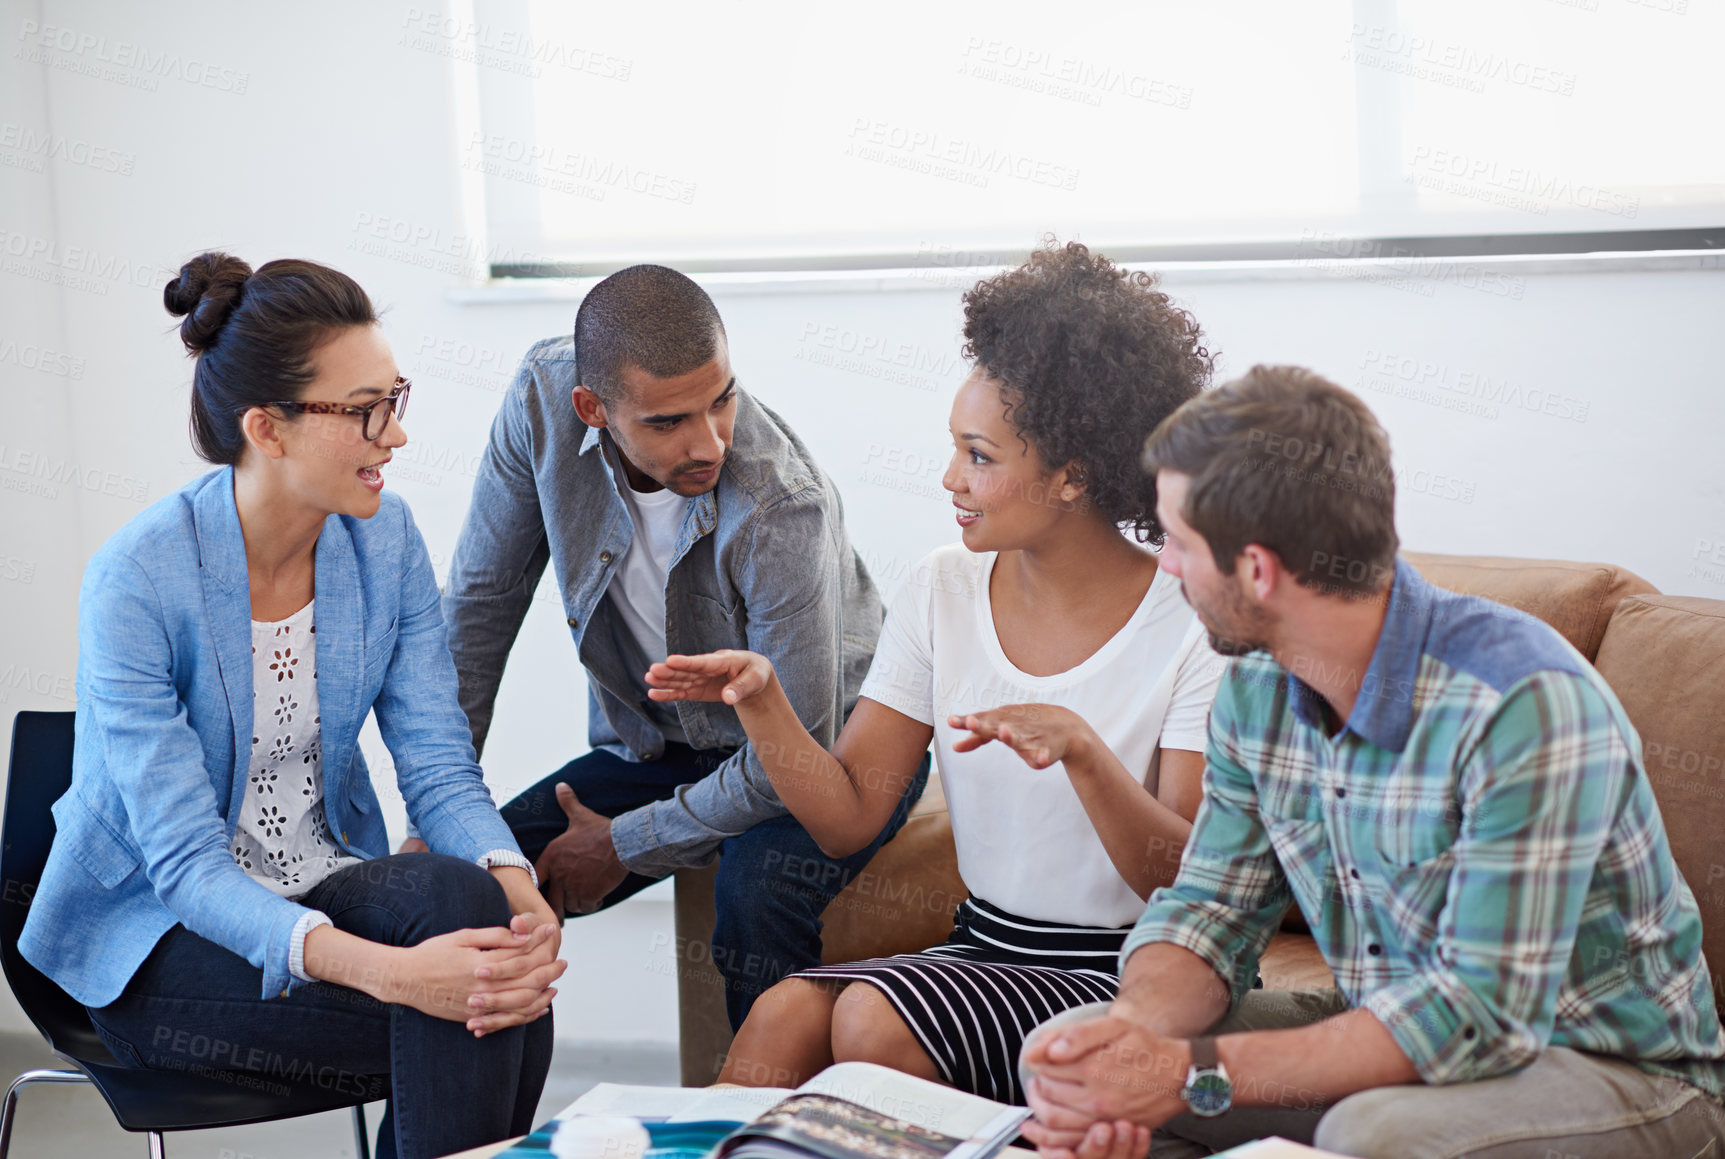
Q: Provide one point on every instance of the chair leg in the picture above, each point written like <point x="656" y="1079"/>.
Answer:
<point x="9" y="1109"/>
<point x="156" y="1150"/>
<point x="361" y="1139"/>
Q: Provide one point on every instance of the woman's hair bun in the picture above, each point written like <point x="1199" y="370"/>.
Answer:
<point x="206" y="293"/>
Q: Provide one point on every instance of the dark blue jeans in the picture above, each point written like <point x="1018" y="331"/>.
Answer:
<point x="774" y="881"/>
<point x="194" y="1006"/>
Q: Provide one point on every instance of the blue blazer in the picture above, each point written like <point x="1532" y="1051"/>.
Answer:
<point x="144" y="835"/>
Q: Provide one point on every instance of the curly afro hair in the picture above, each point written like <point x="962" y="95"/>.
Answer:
<point x="1091" y="358"/>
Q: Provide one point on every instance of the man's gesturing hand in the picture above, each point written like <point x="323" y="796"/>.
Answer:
<point x="578" y="869"/>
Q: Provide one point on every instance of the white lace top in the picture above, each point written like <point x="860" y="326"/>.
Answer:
<point x="283" y="839"/>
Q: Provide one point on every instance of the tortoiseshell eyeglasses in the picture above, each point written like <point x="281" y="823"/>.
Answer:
<point x="395" y="402"/>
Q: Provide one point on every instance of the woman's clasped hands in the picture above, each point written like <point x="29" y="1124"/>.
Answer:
<point x="488" y="978"/>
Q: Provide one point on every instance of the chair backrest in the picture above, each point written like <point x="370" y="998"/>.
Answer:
<point x="39" y="772"/>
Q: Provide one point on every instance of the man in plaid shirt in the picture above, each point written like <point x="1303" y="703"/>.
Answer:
<point x="1455" y="801"/>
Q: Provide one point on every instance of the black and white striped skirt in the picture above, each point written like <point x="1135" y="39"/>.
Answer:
<point x="972" y="1000"/>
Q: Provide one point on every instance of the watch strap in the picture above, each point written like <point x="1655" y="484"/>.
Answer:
<point x="1204" y="1055"/>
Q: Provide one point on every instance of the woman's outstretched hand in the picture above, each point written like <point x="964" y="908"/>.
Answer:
<point x="1040" y="733"/>
<point x="729" y="677"/>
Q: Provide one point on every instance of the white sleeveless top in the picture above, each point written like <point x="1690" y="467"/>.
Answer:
<point x="1025" y="843"/>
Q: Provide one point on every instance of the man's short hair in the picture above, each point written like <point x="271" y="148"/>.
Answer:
<point x="647" y="316"/>
<point x="1286" y="459"/>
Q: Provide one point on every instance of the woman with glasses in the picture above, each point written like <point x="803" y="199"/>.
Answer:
<point x="220" y="892"/>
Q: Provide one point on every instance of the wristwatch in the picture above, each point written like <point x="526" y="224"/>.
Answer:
<point x="1207" y="1091"/>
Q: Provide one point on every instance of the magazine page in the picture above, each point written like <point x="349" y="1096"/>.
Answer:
<point x="930" y="1105"/>
<point x="861" y="1111"/>
<point x="730" y="1104"/>
<point x="648" y="1104"/>
<point x="833" y="1128"/>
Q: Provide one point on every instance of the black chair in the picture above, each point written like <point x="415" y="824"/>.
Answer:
<point x="151" y="1101"/>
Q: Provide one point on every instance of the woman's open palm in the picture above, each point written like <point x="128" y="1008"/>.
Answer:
<point x="1041" y="734"/>
<point x="726" y="677"/>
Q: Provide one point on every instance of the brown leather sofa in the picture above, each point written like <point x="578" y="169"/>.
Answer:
<point x="1663" y="655"/>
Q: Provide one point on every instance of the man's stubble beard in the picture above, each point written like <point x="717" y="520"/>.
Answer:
<point x="1242" y="635"/>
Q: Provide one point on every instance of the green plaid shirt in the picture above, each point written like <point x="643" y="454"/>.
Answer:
<point x="1477" y="851"/>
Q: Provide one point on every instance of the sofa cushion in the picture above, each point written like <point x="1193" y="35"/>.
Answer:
<point x="1294" y="962"/>
<point x="1664" y="656"/>
<point x="1575" y="598"/>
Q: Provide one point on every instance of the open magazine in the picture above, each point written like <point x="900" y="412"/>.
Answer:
<point x="854" y="1110"/>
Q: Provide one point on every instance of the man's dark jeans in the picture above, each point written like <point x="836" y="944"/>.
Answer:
<point x="193" y="1006"/>
<point x="774" y="881"/>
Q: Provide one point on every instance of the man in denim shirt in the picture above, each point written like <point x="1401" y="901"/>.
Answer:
<point x="681" y="516"/>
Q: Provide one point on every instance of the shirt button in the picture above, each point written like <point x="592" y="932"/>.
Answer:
<point x="604" y="557"/>
<point x="573" y="622"/>
<point x="1374" y="949"/>
<point x="1354" y="873"/>
<point x="1469" y="1033"/>
<point x="1340" y="793"/>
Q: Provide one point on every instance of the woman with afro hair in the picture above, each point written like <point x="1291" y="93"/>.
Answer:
<point x="1061" y="674"/>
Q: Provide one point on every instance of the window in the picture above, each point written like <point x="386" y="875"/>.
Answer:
<point x="764" y="135"/>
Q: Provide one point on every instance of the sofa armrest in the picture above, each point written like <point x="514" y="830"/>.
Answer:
<point x="703" y="1033"/>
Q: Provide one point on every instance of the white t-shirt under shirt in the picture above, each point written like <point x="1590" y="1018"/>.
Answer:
<point x="1025" y="843"/>
<point x="638" y="585"/>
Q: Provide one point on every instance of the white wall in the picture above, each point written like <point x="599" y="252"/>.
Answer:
<point x="340" y="149"/>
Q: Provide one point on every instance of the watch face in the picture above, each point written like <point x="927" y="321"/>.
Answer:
<point x="1209" y="1094"/>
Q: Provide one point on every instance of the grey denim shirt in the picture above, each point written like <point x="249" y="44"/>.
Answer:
<point x="763" y="562"/>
